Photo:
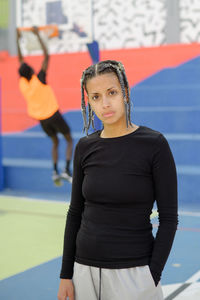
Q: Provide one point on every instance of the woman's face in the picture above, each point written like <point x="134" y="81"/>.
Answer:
<point x="106" y="99"/>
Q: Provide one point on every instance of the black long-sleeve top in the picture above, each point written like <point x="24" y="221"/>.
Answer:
<point x="115" y="184"/>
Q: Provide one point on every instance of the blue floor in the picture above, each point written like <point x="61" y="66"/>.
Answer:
<point x="42" y="282"/>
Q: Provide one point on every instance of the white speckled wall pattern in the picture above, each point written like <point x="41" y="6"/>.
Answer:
<point x="130" y="23"/>
<point x="189" y="21"/>
<point x="117" y="23"/>
<point x="120" y="24"/>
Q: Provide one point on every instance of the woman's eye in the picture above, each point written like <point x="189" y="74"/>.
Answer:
<point x="95" y="97"/>
<point x="112" y="92"/>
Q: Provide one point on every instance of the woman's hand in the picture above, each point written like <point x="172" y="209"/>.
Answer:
<point x="66" y="289"/>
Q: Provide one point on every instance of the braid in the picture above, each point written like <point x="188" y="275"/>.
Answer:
<point x="83" y="106"/>
<point x="91" y="117"/>
<point x="103" y="67"/>
<point x="88" y="73"/>
<point x="128" y="94"/>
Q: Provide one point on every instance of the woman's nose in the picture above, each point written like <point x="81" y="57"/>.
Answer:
<point x="105" y="101"/>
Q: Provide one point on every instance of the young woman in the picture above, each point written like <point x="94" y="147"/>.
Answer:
<point x="119" y="172"/>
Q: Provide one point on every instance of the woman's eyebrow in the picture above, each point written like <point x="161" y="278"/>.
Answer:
<point x="110" y="88"/>
<point x="113" y="87"/>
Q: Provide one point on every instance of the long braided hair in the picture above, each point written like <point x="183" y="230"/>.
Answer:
<point x="103" y="67"/>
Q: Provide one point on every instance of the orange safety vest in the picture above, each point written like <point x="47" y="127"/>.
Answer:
<point x="41" y="100"/>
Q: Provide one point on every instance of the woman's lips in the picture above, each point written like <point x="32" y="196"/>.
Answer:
<point x="108" y="114"/>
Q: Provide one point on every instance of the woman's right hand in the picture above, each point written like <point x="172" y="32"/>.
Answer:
<point x="66" y="289"/>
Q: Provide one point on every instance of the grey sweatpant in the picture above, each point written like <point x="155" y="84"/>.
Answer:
<point x="93" y="283"/>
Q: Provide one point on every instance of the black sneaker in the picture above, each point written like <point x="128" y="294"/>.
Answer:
<point x="66" y="175"/>
<point x="56" y="179"/>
